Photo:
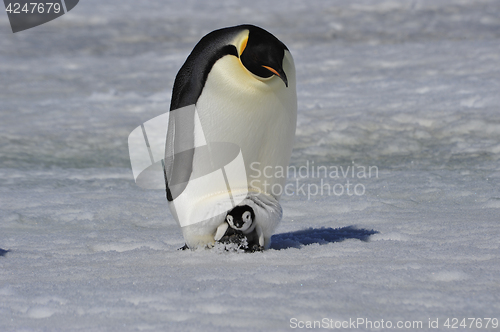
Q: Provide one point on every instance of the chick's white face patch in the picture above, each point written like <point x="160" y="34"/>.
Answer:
<point x="202" y="179"/>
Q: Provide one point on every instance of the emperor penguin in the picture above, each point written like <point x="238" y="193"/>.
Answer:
<point x="240" y="82"/>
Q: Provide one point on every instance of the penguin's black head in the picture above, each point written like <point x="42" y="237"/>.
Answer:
<point x="260" y="53"/>
<point x="263" y="54"/>
<point x="241" y="217"/>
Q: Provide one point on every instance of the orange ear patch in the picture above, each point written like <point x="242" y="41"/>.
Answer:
<point x="243" y="45"/>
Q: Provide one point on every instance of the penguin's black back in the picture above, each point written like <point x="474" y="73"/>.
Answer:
<point x="192" y="76"/>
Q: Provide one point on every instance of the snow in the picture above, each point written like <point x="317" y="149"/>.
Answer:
<point x="410" y="87"/>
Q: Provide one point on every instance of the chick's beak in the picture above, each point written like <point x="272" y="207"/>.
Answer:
<point x="280" y="73"/>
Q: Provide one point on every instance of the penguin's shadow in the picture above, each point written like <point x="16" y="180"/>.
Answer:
<point x="3" y="252"/>
<point x="307" y="236"/>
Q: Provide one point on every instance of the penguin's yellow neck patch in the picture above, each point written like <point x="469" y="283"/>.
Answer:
<point x="240" y="41"/>
<point x="243" y="45"/>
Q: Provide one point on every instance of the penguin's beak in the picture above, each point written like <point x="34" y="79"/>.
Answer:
<point x="280" y="73"/>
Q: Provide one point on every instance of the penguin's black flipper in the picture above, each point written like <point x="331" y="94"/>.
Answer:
<point x="185" y="247"/>
<point x="191" y="78"/>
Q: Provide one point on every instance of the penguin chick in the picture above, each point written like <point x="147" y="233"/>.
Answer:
<point x="239" y="225"/>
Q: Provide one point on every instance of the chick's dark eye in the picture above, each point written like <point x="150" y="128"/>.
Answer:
<point x="246" y="216"/>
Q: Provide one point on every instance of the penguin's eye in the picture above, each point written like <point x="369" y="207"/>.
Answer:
<point x="229" y="219"/>
<point x="247" y="216"/>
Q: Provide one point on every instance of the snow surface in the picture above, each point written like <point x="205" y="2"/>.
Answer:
<point x="411" y="87"/>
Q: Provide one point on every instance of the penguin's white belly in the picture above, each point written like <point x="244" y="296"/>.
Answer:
<point x="260" y="117"/>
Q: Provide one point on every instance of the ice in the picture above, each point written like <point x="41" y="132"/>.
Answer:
<point x="40" y="312"/>
<point x="409" y="86"/>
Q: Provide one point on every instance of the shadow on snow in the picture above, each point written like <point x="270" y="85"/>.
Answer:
<point x="304" y="237"/>
<point x="3" y="252"/>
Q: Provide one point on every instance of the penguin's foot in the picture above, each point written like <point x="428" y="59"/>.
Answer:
<point x="233" y="242"/>
<point x="254" y="248"/>
<point x="236" y="238"/>
<point x="239" y="241"/>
